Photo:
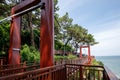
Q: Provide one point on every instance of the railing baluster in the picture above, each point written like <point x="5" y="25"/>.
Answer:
<point x="98" y="75"/>
<point x="94" y="74"/>
<point x="81" y="73"/>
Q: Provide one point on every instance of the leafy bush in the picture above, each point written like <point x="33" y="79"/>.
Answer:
<point x="95" y="62"/>
<point x="71" y="56"/>
<point x="4" y="38"/>
<point x="57" y="58"/>
<point x="29" y="54"/>
<point x="60" y="46"/>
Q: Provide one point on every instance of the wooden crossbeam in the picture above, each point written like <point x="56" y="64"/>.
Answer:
<point x="25" y="5"/>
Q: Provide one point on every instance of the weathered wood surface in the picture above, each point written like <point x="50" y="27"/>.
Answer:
<point x="110" y="74"/>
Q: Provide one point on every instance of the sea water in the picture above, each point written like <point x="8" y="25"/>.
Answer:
<point x="112" y="62"/>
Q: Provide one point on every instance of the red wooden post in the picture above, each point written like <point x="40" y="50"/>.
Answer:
<point x="14" y="51"/>
<point x="80" y="52"/>
<point x="14" y="56"/>
<point x="81" y="73"/>
<point x="89" y="56"/>
<point x="47" y="34"/>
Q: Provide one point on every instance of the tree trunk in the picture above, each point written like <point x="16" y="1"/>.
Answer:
<point x="30" y="28"/>
<point x="68" y="41"/>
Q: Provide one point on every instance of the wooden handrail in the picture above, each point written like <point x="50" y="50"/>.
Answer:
<point x="18" y="70"/>
<point x="56" y="72"/>
<point x="86" y="65"/>
<point x="110" y="74"/>
<point x="80" y="71"/>
<point x="72" y="61"/>
<point x="10" y="66"/>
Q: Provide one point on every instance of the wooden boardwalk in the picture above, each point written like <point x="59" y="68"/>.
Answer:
<point x="63" y="70"/>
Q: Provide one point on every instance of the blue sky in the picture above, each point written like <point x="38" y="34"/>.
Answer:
<point x="101" y="18"/>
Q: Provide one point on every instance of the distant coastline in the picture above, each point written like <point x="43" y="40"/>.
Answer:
<point x="109" y="56"/>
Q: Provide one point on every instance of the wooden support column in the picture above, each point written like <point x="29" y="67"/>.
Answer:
<point x="47" y="34"/>
<point x="80" y="52"/>
<point x="81" y="73"/>
<point x="89" y="55"/>
<point x="14" y="51"/>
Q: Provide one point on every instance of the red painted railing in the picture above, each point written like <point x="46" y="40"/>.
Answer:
<point x="64" y="72"/>
<point x="57" y="72"/>
<point x="89" y="72"/>
<point x="84" y="60"/>
<point x="84" y="72"/>
<point x="2" y="60"/>
<point x="10" y="66"/>
<point x="7" y="72"/>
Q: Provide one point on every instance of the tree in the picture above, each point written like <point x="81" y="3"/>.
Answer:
<point x="74" y="33"/>
<point x="30" y="25"/>
<point x="65" y="22"/>
<point x="89" y="40"/>
<point x="4" y="37"/>
<point x="56" y="8"/>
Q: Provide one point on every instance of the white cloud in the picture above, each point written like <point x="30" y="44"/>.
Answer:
<point x="109" y="43"/>
<point x="108" y="36"/>
<point x="112" y="20"/>
<point x="102" y="27"/>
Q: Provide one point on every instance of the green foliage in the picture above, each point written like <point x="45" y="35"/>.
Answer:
<point x="36" y="37"/>
<point x="65" y="21"/>
<point x="60" y="46"/>
<point x="71" y="56"/>
<point x="95" y="62"/>
<point x="68" y="48"/>
<point x="25" y="37"/>
<point x="57" y="27"/>
<point x="73" y="33"/>
<point x="57" y="58"/>
<point x="100" y="63"/>
<point x="4" y="37"/>
<point x="4" y="8"/>
<point x="29" y="54"/>
<point x="56" y="8"/>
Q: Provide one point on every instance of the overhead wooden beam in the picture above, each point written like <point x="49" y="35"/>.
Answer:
<point x="25" y="5"/>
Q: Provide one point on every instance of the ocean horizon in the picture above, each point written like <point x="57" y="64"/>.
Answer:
<point x="112" y="62"/>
